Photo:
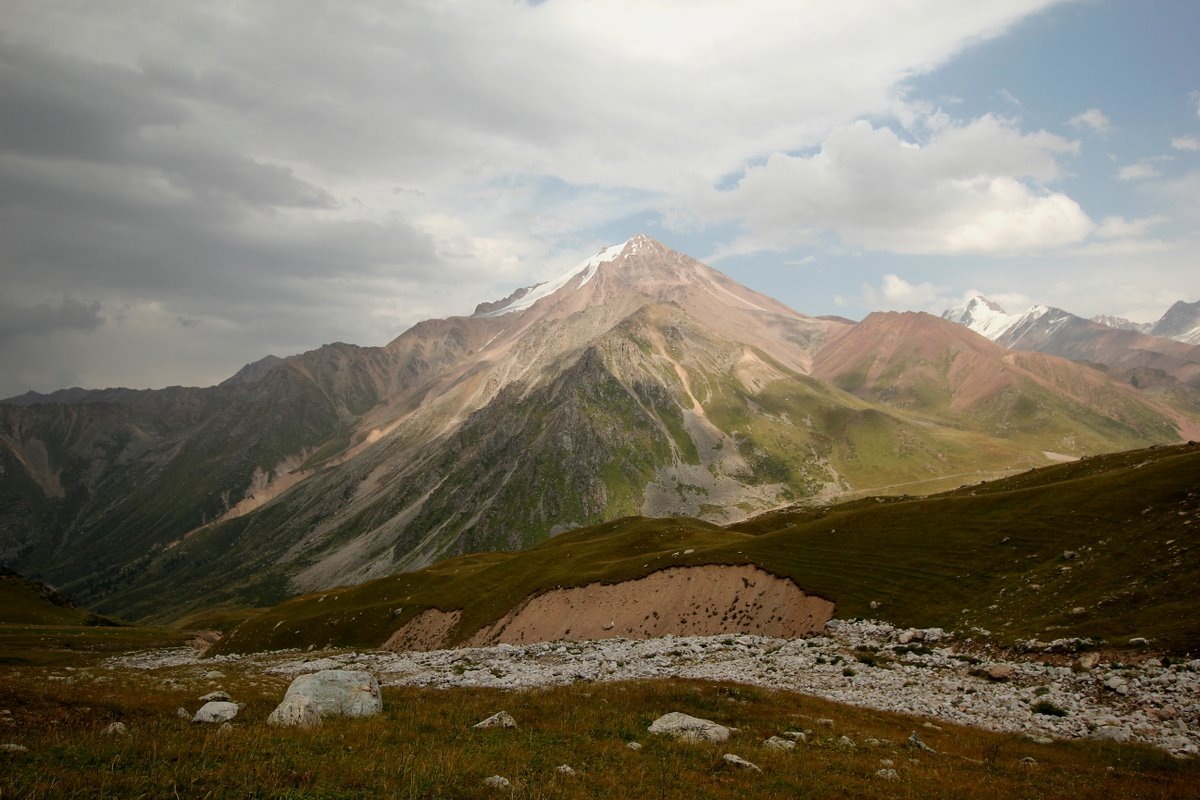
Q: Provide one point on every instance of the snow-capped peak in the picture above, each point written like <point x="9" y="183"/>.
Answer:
<point x="984" y="317"/>
<point x="585" y="271"/>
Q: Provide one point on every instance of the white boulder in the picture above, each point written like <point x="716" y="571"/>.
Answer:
<point x="688" y="728"/>
<point x="216" y="711"/>
<point x="338" y="693"/>
<point x="296" y="711"/>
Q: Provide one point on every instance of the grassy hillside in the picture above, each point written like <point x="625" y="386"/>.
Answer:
<point x="1104" y="548"/>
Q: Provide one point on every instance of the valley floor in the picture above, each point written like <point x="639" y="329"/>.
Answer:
<point x="1125" y="697"/>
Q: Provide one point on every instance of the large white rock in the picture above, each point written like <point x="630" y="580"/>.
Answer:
<point x="338" y="693"/>
<point x="689" y="729"/>
<point x="296" y="711"/>
<point x="216" y="711"/>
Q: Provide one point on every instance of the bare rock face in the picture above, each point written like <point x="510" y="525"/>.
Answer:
<point x="686" y="728"/>
<point x="335" y="693"/>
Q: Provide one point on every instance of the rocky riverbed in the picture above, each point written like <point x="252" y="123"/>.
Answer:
<point x="1131" y="697"/>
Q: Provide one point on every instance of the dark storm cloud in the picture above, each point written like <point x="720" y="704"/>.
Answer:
<point x="66" y="314"/>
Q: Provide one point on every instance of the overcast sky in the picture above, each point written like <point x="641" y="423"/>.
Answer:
<point x="186" y="187"/>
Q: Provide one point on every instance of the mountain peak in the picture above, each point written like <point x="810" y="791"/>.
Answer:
<point x="982" y="316"/>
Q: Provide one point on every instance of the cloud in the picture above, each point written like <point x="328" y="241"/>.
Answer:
<point x="1188" y="143"/>
<point x="68" y="314"/>
<point x="1094" y="120"/>
<point x="1140" y="170"/>
<point x="1116" y="227"/>
<point x="971" y="188"/>
<point x="238" y="165"/>
<point x="896" y="294"/>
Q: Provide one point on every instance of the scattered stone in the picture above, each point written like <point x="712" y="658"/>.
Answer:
<point x="1088" y="661"/>
<point x="296" y="711"/>
<point x="688" y="728"/>
<point x="1028" y="761"/>
<point x="13" y="747"/>
<point x="847" y="742"/>
<point x="1111" y="733"/>
<point x="1069" y="554"/>
<point x="875" y="605"/>
<point x="634" y="746"/>
<point x="825" y="722"/>
<point x="886" y="762"/>
<point x="1001" y="672"/>
<point x="1039" y="739"/>
<point x="1117" y="684"/>
<point x="183" y="713"/>
<point x="116" y="729"/>
<point x="1138" y="641"/>
<point x="501" y="719"/>
<point x="776" y="743"/>
<point x="871" y="741"/>
<point x="737" y="762"/>
<point x="796" y="736"/>
<point x="1164" y="714"/>
<point x="217" y="696"/>
<point x="215" y="712"/>
<point x="213" y="675"/>
<point x="887" y="774"/>
<point x="564" y="769"/>
<point x="339" y="692"/>
<point x="914" y="740"/>
<point x="496" y="782"/>
<point x="1078" y="611"/>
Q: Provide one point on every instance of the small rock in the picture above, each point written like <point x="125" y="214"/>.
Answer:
<point x="12" y="747"/>
<point x="1165" y="713"/>
<point x="847" y="742"/>
<point x="1138" y="641"/>
<point x="914" y="740"/>
<point x="213" y="674"/>
<point x="116" y="729"/>
<point x="1039" y="739"/>
<point x="688" y="728"/>
<point x="217" y="696"/>
<point x="887" y="774"/>
<point x="1088" y="661"/>
<point x="216" y="712"/>
<point x="501" y="719"/>
<point x="1111" y="733"/>
<point x="1028" y="761"/>
<point x="776" y="743"/>
<point x="634" y="746"/>
<point x="875" y="605"/>
<point x="564" y="769"/>
<point x="886" y="762"/>
<point x="740" y="763"/>
<point x="825" y="722"/>
<point x="183" y="713"/>
<point x="796" y="736"/>
<point x="1078" y="611"/>
<point x="1069" y="554"/>
<point x="496" y="782"/>
<point x="1117" y="684"/>
<point x="1001" y="672"/>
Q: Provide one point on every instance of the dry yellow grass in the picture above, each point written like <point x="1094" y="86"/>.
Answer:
<point x="424" y="746"/>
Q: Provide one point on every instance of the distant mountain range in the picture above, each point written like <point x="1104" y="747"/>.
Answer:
<point x="639" y="382"/>
<point x="1163" y="354"/>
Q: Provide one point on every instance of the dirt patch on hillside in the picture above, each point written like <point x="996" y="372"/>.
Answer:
<point x="429" y="630"/>
<point x="681" y="601"/>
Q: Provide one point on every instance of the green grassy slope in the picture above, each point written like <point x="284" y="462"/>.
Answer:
<point x="1114" y="535"/>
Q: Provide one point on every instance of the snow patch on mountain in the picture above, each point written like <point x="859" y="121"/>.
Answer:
<point x="984" y="317"/>
<point x="586" y="270"/>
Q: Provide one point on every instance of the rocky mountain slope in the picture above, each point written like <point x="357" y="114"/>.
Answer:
<point x="639" y="382"/>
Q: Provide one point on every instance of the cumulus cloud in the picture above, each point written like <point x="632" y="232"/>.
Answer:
<point x="1116" y="227"/>
<point x="971" y="188"/>
<point x="1188" y="143"/>
<point x="1139" y="170"/>
<point x="1093" y="119"/>
<point x="896" y="294"/>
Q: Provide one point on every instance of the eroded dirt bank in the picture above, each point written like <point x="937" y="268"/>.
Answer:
<point x="681" y="601"/>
